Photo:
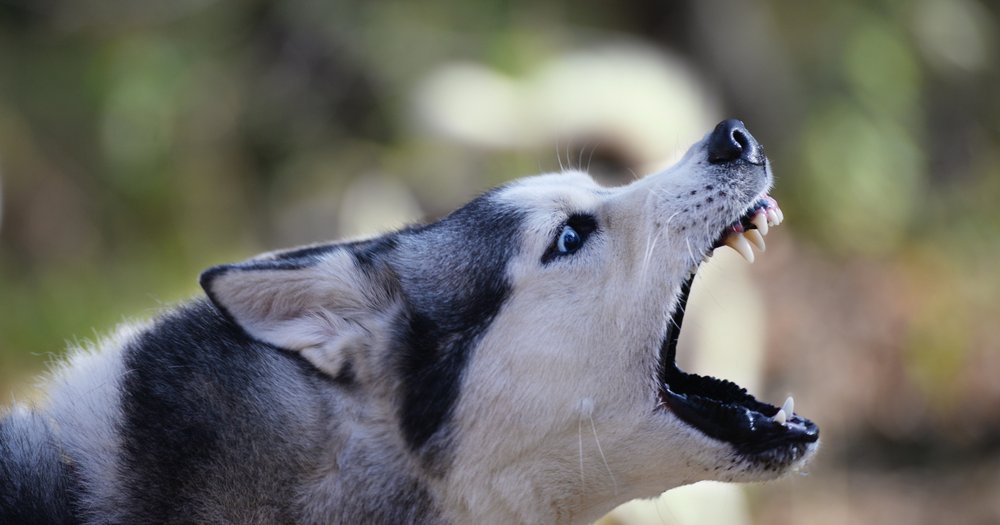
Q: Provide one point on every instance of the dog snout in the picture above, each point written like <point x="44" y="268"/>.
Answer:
<point x="730" y="141"/>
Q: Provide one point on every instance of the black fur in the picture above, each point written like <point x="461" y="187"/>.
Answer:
<point x="190" y="406"/>
<point x="207" y="413"/>
<point x="305" y="252"/>
<point x="455" y="285"/>
<point x="451" y="277"/>
<point x="192" y="396"/>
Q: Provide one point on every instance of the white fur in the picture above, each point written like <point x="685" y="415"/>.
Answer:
<point x="326" y="311"/>
<point x="565" y="373"/>
<point x="83" y="411"/>
<point x="557" y="420"/>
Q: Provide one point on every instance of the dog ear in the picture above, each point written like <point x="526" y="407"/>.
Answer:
<point x="323" y="304"/>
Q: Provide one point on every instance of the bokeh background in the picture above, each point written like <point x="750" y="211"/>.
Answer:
<point x="141" y="142"/>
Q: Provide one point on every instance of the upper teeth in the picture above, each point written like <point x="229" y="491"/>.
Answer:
<point x="755" y="239"/>
<point x="760" y="220"/>
<point x="763" y="219"/>
<point x="738" y="242"/>
<point x="773" y="218"/>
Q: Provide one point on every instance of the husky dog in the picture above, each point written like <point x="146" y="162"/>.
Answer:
<point x="448" y="373"/>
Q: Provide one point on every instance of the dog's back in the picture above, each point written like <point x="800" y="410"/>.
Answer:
<point x="188" y="420"/>
<point x="168" y="426"/>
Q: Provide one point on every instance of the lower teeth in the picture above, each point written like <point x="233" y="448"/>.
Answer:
<point x="785" y="412"/>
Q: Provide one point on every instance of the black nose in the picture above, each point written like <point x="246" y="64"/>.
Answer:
<point x="731" y="141"/>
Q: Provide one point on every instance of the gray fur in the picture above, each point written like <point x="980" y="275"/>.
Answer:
<point x="189" y="419"/>
<point x="36" y="483"/>
<point x="439" y="374"/>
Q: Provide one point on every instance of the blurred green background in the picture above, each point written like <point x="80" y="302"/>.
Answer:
<point x="142" y="142"/>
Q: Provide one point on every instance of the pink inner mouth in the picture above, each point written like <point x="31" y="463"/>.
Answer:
<point x="750" y="229"/>
<point x="764" y="211"/>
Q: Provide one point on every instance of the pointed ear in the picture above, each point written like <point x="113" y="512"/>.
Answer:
<point x="322" y="305"/>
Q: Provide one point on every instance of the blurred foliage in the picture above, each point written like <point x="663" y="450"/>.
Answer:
<point x="143" y="142"/>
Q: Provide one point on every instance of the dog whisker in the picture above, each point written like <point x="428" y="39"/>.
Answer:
<point x="600" y="449"/>
<point x="591" y="157"/>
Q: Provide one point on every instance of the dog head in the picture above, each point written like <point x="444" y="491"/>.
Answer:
<point x="524" y="344"/>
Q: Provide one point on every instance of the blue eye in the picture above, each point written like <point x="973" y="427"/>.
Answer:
<point x="569" y="241"/>
<point x="570" y="236"/>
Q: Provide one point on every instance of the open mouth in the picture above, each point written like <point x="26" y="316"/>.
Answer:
<point x="722" y="409"/>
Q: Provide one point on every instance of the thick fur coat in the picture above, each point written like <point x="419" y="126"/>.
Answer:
<point x="504" y="364"/>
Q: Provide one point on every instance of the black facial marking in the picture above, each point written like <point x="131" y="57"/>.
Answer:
<point x="453" y="278"/>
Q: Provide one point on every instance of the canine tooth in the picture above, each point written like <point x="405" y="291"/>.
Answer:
<point x="772" y="217"/>
<point x="780" y="214"/>
<point x="760" y="221"/>
<point x="789" y="407"/>
<point x="780" y="417"/>
<point x="741" y="245"/>
<point x="756" y="239"/>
